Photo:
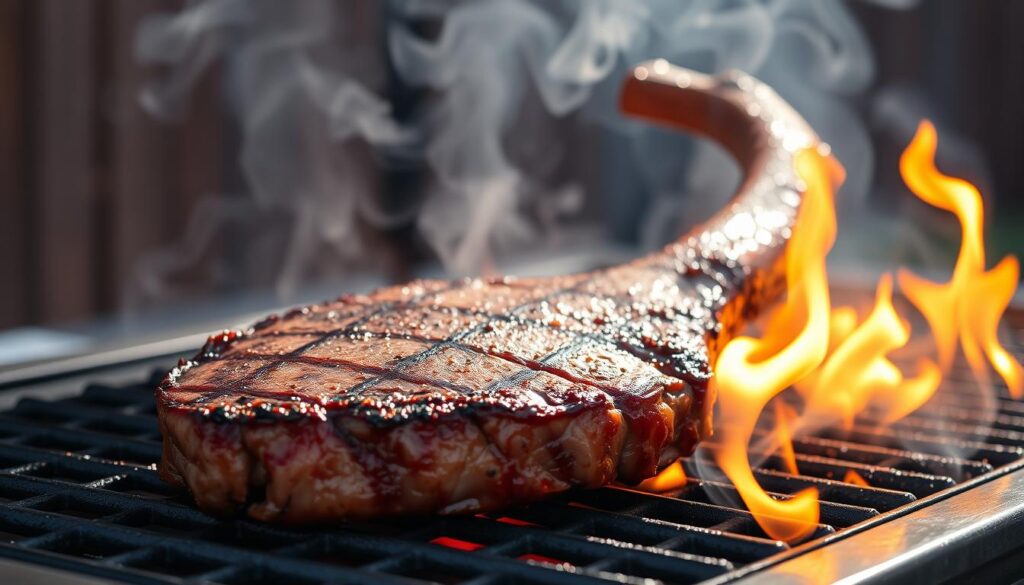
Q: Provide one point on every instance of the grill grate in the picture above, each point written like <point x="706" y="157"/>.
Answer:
<point x="78" y="491"/>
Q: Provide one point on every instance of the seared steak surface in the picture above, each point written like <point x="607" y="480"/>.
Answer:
<point x="470" y="395"/>
<point x="439" y="396"/>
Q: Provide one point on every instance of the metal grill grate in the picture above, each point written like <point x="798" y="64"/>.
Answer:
<point x="78" y="491"/>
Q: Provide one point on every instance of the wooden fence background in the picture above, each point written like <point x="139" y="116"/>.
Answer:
<point x="88" y="181"/>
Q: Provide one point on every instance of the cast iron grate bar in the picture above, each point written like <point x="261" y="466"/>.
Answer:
<point x="79" y="491"/>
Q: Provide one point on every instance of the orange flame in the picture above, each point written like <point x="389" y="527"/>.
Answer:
<point x="749" y="371"/>
<point x="783" y="416"/>
<point x="858" y="373"/>
<point x="672" y="477"/>
<point x="841" y="366"/>
<point x="841" y="324"/>
<point x="971" y="303"/>
<point x="855" y="478"/>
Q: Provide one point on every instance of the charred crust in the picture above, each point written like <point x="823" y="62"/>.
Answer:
<point x="218" y="343"/>
<point x="250" y="410"/>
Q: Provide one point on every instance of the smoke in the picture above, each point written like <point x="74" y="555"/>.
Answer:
<point x="516" y="120"/>
<point x="299" y="82"/>
<point x="487" y="59"/>
<point x="491" y="54"/>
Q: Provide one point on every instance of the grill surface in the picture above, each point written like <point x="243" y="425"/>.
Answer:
<point x="78" y="491"/>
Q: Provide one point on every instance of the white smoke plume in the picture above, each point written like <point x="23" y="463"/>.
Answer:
<point x="485" y="63"/>
<point x="509" y="85"/>
<point x="575" y="55"/>
<point x="299" y="85"/>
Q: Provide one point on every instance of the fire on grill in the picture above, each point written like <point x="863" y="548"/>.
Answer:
<point x="838" y="364"/>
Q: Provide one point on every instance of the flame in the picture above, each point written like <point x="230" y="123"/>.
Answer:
<point x="855" y="478"/>
<point x="751" y="371"/>
<point x="858" y="373"/>
<point x="840" y="365"/>
<point x="841" y="324"/>
<point x="783" y="437"/>
<point x="971" y="303"/>
<point x="672" y="477"/>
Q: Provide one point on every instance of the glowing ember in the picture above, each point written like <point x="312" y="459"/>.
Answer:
<point x="457" y="543"/>
<point x="855" y="478"/>
<point x="970" y="305"/>
<point x="672" y="477"/>
<point x="749" y="372"/>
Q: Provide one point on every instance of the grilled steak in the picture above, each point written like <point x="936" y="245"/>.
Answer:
<point x="470" y="395"/>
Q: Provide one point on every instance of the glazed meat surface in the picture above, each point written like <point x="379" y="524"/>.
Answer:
<point x="466" y="396"/>
<point x="440" y="396"/>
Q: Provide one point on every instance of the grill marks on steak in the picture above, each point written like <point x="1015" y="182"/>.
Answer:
<point x="472" y="395"/>
<point x="471" y="349"/>
<point x="446" y="396"/>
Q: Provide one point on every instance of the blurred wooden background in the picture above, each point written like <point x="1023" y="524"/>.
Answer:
<point x="89" y="182"/>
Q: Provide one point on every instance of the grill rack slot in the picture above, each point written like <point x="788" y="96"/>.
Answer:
<point x="79" y="490"/>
